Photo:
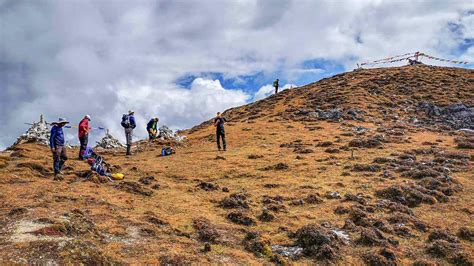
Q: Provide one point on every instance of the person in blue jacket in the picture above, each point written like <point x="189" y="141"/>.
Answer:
<point x="56" y="143"/>
<point x="128" y="123"/>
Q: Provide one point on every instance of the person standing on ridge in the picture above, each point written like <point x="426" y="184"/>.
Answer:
<point x="56" y="143"/>
<point x="276" y="85"/>
<point x="219" y="122"/>
<point x="152" y="128"/>
<point x="84" y="134"/>
<point x="128" y="123"/>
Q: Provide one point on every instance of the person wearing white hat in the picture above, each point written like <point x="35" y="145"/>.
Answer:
<point x="128" y="123"/>
<point x="56" y="143"/>
<point x="84" y="134"/>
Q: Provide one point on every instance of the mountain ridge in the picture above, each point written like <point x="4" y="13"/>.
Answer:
<point x="366" y="167"/>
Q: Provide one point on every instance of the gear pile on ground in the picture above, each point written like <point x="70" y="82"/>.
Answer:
<point x="109" y="142"/>
<point x="38" y="132"/>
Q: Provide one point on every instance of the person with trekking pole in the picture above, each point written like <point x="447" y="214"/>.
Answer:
<point x="276" y="85"/>
<point x="219" y="122"/>
<point x="152" y="128"/>
<point x="56" y="143"/>
<point x="83" y="135"/>
<point x="128" y="123"/>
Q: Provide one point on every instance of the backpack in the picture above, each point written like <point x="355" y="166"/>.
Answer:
<point x="167" y="151"/>
<point x="125" y="121"/>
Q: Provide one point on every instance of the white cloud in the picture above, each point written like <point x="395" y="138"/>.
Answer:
<point x="268" y="90"/>
<point x="68" y="58"/>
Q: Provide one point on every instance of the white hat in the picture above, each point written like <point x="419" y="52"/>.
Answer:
<point x="61" y="120"/>
<point x="130" y="112"/>
<point x="88" y="117"/>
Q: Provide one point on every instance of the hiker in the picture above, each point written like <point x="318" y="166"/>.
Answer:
<point x="56" y="143"/>
<point x="128" y="123"/>
<point x="220" y="132"/>
<point x="152" y="128"/>
<point x="84" y="135"/>
<point x="276" y="85"/>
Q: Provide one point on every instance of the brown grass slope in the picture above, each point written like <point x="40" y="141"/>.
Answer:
<point x="403" y="192"/>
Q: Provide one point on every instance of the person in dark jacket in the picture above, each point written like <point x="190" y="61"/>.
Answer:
<point x="219" y="122"/>
<point x="276" y="84"/>
<point x="84" y="134"/>
<point x="152" y="128"/>
<point x="128" y="122"/>
<point x="56" y="143"/>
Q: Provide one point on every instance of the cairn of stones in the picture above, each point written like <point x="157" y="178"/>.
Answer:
<point x="167" y="134"/>
<point x="109" y="142"/>
<point x="38" y="132"/>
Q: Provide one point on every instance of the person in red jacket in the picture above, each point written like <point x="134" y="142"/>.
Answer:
<point x="84" y="134"/>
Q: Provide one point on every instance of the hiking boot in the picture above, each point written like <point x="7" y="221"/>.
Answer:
<point x="58" y="177"/>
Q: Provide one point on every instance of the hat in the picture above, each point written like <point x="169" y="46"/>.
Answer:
<point x="61" y="121"/>
<point x="88" y="117"/>
<point x="130" y="112"/>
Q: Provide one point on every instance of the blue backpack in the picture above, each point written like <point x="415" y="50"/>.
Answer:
<point x="167" y="151"/>
<point x="125" y="121"/>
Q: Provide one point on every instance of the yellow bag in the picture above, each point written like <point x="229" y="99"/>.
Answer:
<point x="118" y="176"/>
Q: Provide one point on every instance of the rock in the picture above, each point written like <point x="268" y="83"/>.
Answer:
<point x="301" y="150"/>
<point x="341" y="210"/>
<point x="332" y="195"/>
<point x="235" y="200"/>
<point x="385" y="257"/>
<point x="440" y="234"/>
<point x="167" y="134"/>
<point x="109" y="142"/>
<point x="254" y="243"/>
<point x="442" y="248"/>
<point x="371" y="142"/>
<point x="276" y="167"/>
<point x="17" y="211"/>
<point x="151" y="218"/>
<point x="288" y="252"/>
<point x="466" y="233"/>
<point x="366" y="168"/>
<point x="208" y="186"/>
<point x="254" y="156"/>
<point x="313" y="199"/>
<point x="207" y="232"/>
<point x="324" y="144"/>
<point x="146" y="180"/>
<point x="455" y="116"/>
<point x="357" y="198"/>
<point x="38" y="132"/>
<point x="332" y="150"/>
<point x="371" y="237"/>
<point x="240" y="217"/>
<point x="135" y="188"/>
<point x="341" y="235"/>
<point x="317" y="242"/>
<point x="219" y="158"/>
<point x="266" y="216"/>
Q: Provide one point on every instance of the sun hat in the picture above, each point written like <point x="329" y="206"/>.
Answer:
<point x="61" y="120"/>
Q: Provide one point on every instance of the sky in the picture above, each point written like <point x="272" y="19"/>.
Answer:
<point x="185" y="60"/>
